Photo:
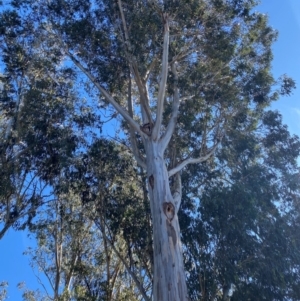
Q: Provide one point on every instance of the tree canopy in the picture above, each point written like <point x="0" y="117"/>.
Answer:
<point x="118" y="115"/>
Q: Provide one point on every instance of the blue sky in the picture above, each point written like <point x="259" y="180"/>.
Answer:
<point x="285" y="17"/>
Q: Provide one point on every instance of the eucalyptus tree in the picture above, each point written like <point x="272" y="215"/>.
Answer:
<point x="240" y="241"/>
<point x="40" y="126"/>
<point x="87" y="245"/>
<point x="65" y="243"/>
<point x="117" y="204"/>
<point x="36" y="140"/>
<point x="176" y="72"/>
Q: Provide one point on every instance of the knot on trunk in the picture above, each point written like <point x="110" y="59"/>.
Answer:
<point x="147" y="128"/>
<point x="151" y="181"/>
<point x="169" y="210"/>
<point x="171" y="232"/>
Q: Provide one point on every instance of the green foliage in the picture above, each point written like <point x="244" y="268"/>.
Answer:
<point x="40" y="130"/>
<point x="3" y="291"/>
<point x="82" y="193"/>
<point x="240" y="240"/>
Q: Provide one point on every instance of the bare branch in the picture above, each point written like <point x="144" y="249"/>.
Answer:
<point x="107" y="96"/>
<point x="172" y="123"/>
<point x="70" y="274"/>
<point x="163" y="81"/>
<point x="144" y="99"/>
<point x="133" y="141"/>
<point x="4" y="229"/>
<point x="184" y="163"/>
<point x="41" y="267"/>
<point x="186" y="98"/>
<point x="42" y="284"/>
<point x="114" y="278"/>
<point x="148" y="72"/>
<point x="139" y="159"/>
<point x="178" y="191"/>
<point x="127" y="41"/>
<point x="134" y="69"/>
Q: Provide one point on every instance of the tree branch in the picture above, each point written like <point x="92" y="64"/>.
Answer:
<point x="143" y="93"/>
<point x="186" y="98"/>
<point x="178" y="191"/>
<point x="181" y="165"/>
<point x="183" y="55"/>
<point x="172" y="123"/>
<point x="71" y="272"/>
<point x="107" y="96"/>
<point x="4" y="229"/>
<point x="41" y="267"/>
<point x="163" y="81"/>
<point x="133" y="141"/>
<point x="114" y="278"/>
<point x="137" y="282"/>
<point x="134" y="69"/>
<point x="148" y="71"/>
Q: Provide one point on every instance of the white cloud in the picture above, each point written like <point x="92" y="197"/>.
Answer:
<point x="297" y="111"/>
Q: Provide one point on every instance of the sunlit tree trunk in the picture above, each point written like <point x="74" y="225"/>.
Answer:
<point x="169" y="275"/>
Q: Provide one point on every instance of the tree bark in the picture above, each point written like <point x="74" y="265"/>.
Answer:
<point x="169" y="275"/>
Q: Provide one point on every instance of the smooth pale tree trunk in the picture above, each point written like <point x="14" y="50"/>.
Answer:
<point x="169" y="275"/>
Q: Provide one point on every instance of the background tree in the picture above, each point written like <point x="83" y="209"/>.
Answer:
<point x="90" y="245"/>
<point x="40" y="124"/>
<point x="240" y="242"/>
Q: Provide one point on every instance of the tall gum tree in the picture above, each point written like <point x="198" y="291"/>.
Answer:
<point x="36" y="126"/>
<point x="176" y="72"/>
<point x="242" y="224"/>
